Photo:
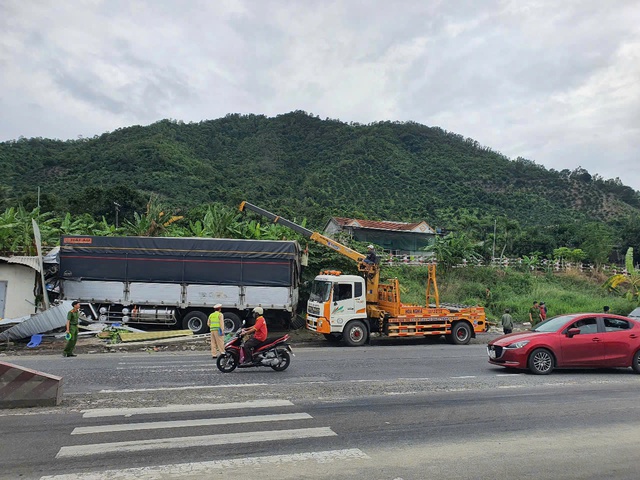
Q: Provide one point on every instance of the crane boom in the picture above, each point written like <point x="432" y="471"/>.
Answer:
<point x="315" y="236"/>
<point x="371" y="271"/>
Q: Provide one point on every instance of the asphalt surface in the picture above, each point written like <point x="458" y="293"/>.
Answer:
<point x="403" y="409"/>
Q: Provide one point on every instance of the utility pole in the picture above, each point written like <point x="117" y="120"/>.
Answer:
<point x="493" y="253"/>
<point x="117" y="210"/>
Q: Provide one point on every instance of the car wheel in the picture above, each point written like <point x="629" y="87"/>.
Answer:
<point x="635" y="363"/>
<point x="541" y="361"/>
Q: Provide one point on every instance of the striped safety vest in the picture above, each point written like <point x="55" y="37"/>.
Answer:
<point x="214" y="319"/>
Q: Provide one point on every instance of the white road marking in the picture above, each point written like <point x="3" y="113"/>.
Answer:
<point x="465" y="376"/>
<point x="198" y="407"/>
<point x="204" y="469"/>
<point x="124" y="427"/>
<point x="191" y="442"/>
<point x="160" y="369"/>
<point x="189" y="387"/>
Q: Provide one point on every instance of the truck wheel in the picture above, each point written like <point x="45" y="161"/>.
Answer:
<point x="196" y="322"/>
<point x="461" y="333"/>
<point x="355" y="334"/>
<point x="231" y="322"/>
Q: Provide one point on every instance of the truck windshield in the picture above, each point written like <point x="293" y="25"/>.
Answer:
<point x="320" y="291"/>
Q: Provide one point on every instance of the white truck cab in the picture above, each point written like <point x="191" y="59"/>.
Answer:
<point x="335" y="300"/>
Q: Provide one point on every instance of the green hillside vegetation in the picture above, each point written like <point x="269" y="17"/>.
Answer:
<point x="305" y="168"/>
<point x="567" y="292"/>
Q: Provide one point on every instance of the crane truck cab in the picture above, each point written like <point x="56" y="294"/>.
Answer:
<point x="337" y="307"/>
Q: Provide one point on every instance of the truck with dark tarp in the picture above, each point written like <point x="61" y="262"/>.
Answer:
<point x="177" y="281"/>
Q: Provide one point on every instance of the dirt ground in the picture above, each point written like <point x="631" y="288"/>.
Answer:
<point x="92" y="344"/>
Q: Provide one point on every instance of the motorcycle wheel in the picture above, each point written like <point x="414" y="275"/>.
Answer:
<point x="226" y="363"/>
<point x="284" y="361"/>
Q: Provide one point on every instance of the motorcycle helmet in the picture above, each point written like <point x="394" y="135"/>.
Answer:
<point x="258" y="310"/>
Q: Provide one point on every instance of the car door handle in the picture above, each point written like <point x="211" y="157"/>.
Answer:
<point x="633" y="335"/>
<point x="595" y="339"/>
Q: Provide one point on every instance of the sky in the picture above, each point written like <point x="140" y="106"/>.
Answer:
<point x="556" y="82"/>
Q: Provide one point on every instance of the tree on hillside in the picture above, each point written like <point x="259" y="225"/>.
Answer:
<point x="598" y="243"/>
<point x="453" y="249"/>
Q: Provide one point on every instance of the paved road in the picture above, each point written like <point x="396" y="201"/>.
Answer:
<point x="386" y="412"/>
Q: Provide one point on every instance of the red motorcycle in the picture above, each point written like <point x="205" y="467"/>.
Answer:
<point x="274" y="353"/>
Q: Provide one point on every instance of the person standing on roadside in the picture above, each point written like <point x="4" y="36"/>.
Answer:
<point x="72" y="329"/>
<point x="487" y="297"/>
<point x="216" y="324"/>
<point x="606" y="309"/>
<point x="543" y="311"/>
<point x="534" y="314"/>
<point x="507" y="322"/>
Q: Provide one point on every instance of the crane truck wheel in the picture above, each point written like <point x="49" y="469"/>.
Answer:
<point x="355" y="334"/>
<point x="231" y="322"/>
<point x="461" y="333"/>
<point x="196" y="322"/>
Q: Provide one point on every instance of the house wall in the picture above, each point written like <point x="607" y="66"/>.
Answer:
<point x="20" y="281"/>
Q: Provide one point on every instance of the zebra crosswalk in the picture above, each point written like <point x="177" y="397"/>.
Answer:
<point x="151" y="435"/>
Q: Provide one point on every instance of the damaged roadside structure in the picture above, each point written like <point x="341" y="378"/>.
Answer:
<point x="18" y="283"/>
<point x="26" y="311"/>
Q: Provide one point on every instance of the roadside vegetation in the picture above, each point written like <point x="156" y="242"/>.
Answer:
<point x="570" y="291"/>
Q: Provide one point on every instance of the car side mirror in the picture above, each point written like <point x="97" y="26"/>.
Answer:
<point x="573" y="331"/>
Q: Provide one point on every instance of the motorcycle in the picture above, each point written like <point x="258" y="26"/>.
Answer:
<point x="274" y="353"/>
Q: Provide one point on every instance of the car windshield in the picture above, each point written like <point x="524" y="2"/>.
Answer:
<point x="553" y="324"/>
<point x="320" y="291"/>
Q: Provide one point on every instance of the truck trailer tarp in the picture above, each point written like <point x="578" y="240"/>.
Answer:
<point x="209" y="261"/>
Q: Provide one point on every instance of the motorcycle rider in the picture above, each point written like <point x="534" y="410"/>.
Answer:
<point x="258" y="332"/>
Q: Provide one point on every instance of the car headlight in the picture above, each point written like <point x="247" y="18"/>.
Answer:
<point x="519" y="344"/>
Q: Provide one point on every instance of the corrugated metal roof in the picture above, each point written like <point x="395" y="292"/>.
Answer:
<point x="33" y="262"/>
<point x="380" y="225"/>
<point x="41" y="322"/>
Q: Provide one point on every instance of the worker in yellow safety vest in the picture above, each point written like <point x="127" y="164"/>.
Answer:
<point x="216" y="325"/>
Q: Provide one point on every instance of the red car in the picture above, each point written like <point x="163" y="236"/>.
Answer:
<point x="593" y="340"/>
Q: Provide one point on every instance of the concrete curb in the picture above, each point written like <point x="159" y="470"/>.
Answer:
<point x="23" y="387"/>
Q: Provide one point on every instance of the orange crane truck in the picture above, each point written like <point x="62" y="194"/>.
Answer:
<point x="352" y="307"/>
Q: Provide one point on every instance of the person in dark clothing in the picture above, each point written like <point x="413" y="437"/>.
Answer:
<point x="606" y="309"/>
<point x="507" y="322"/>
<point x="371" y="258"/>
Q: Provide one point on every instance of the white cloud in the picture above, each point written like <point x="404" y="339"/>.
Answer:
<point x="553" y="82"/>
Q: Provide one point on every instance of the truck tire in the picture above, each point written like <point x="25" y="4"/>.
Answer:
<point x="461" y="333"/>
<point x="231" y="322"/>
<point x="355" y="334"/>
<point x="196" y="322"/>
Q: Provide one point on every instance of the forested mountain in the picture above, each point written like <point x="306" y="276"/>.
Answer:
<point x="298" y="165"/>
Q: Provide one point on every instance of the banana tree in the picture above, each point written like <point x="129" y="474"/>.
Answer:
<point x="631" y="281"/>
